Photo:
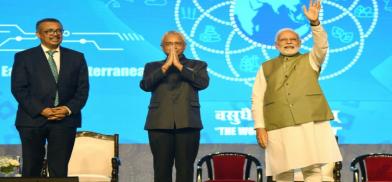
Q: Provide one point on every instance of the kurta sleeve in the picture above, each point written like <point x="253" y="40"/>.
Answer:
<point x="320" y="47"/>
<point x="258" y="92"/>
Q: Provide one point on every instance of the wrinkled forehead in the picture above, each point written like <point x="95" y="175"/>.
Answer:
<point x="288" y="34"/>
<point x="173" y="37"/>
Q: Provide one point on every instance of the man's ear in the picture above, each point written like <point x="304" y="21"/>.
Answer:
<point x="38" y="35"/>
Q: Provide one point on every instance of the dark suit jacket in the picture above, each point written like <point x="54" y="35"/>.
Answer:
<point x="174" y="96"/>
<point x="34" y="87"/>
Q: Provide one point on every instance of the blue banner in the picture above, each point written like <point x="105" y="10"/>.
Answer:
<point x="234" y="37"/>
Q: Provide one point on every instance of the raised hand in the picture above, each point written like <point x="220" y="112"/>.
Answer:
<point x="313" y="12"/>
<point x="176" y="60"/>
<point x="169" y="60"/>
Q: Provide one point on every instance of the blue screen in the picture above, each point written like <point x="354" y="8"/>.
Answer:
<point x="118" y="37"/>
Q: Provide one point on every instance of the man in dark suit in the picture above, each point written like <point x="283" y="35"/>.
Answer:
<point x="51" y="85"/>
<point x="173" y="120"/>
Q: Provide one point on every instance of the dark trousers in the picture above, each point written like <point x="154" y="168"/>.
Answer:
<point x="178" y="146"/>
<point x="60" y="141"/>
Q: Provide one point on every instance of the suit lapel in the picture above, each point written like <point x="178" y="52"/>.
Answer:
<point x="43" y="63"/>
<point x="63" y="63"/>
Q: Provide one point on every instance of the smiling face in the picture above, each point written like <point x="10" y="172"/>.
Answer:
<point x="288" y="43"/>
<point x="50" y="33"/>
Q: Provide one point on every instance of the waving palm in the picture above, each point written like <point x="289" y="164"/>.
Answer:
<point x="313" y="12"/>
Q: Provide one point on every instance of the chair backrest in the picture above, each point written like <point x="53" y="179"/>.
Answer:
<point x="372" y="167"/>
<point x="93" y="154"/>
<point x="229" y="166"/>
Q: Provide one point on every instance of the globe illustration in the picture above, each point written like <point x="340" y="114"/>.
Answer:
<point x="239" y="35"/>
<point x="254" y="18"/>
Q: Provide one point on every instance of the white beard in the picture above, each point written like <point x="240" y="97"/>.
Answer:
<point x="289" y="51"/>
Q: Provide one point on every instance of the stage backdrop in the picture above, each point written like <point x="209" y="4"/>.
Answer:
<point x="234" y="37"/>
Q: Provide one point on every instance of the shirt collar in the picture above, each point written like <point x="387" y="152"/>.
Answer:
<point x="45" y="49"/>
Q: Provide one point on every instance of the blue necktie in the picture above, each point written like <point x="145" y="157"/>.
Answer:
<point x="53" y="68"/>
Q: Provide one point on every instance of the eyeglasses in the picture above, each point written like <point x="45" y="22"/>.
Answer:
<point x="52" y="31"/>
<point x="173" y="43"/>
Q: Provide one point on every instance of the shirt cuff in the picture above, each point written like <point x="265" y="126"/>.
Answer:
<point x="69" y="110"/>
<point x="259" y="124"/>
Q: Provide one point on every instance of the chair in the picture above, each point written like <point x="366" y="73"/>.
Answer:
<point x="229" y="167"/>
<point x="95" y="157"/>
<point x="374" y="167"/>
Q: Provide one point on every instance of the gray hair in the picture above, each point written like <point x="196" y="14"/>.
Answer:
<point x="172" y="32"/>
<point x="285" y="29"/>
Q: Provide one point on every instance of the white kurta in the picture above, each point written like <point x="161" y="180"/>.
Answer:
<point x="301" y="145"/>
